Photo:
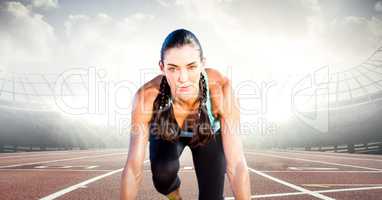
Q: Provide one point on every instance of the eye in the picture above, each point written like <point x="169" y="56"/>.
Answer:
<point x="192" y="67"/>
<point x="171" y="69"/>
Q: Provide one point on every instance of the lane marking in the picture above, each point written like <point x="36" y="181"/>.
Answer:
<point x="302" y="193"/>
<point x="318" y="171"/>
<point x="81" y="185"/>
<point x="149" y="170"/>
<point x="58" y="170"/>
<point x="34" y="155"/>
<point x="271" y="195"/>
<point x="66" y="159"/>
<point x="48" y="153"/>
<point x="298" y="188"/>
<point x="316" y="161"/>
<point x="52" y="153"/>
<point x="346" y="155"/>
<point x="65" y="166"/>
<point x="312" y="168"/>
<point x="350" y="189"/>
<point x="338" y="157"/>
<point x="340" y="185"/>
<point x="277" y="195"/>
<point x="41" y="167"/>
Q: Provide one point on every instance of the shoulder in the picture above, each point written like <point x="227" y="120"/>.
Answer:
<point x="220" y="89"/>
<point x="219" y="82"/>
<point x="216" y="77"/>
<point x="144" y="98"/>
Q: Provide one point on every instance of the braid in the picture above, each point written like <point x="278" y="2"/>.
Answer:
<point x="163" y="119"/>
<point x="202" y="129"/>
<point x="165" y="94"/>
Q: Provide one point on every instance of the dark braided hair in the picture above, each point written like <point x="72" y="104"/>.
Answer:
<point x="163" y="119"/>
<point x="203" y="128"/>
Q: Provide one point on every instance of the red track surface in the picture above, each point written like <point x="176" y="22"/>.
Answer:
<point x="280" y="175"/>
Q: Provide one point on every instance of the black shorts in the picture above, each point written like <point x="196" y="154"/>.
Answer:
<point x="209" y="163"/>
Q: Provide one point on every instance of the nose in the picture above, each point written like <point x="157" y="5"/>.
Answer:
<point x="183" y="76"/>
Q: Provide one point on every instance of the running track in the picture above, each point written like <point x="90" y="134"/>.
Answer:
<point x="95" y="174"/>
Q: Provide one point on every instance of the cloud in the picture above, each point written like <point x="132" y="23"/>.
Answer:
<point x="246" y="32"/>
<point x="375" y="26"/>
<point x="25" y="36"/>
<point x="225" y="1"/>
<point x="347" y="40"/>
<point x="45" y="4"/>
<point x="163" y="3"/>
<point x="28" y="43"/>
<point x="314" y="5"/>
<point x="142" y="16"/>
<point x="253" y="33"/>
<point x="118" y="45"/>
<point x="378" y="6"/>
<point x="233" y="21"/>
<point x="123" y="47"/>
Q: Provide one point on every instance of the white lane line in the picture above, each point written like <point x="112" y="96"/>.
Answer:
<point x="323" y="185"/>
<point x="302" y="193"/>
<point x="51" y="153"/>
<point x="43" y="153"/>
<point x="65" y="166"/>
<point x="58" y="170"/>
<point x="285" y="171"/>
<point x="350" y="189"/>
<point x="347" y="155"/>
<point x="318" y="171"/>
<point x="277" y="195"/>
<point x="271" y="195"/>
<point x="298" y="188"/>
<point x="315" y="161"/>
<point x="34" y="155"/>
<point x="81" y="185"/>
<point x="41" y="167"/>
<point x="66" y="159"/>
<point x="313" y="168"/>
<point x="337" y="157"/>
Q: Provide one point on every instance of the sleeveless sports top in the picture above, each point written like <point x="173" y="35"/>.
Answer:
<point x="215" y="123"/>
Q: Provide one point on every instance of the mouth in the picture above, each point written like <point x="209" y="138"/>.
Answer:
<point x="184" y="88"/>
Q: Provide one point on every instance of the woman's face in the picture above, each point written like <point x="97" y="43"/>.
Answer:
<point x="182" y="67"/>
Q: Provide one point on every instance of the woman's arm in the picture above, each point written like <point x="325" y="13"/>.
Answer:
<point x="133" y="171"/>
<point x="237" y="169"/>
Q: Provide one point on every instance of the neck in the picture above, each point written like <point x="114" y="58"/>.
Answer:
<point x="188" y="104"/>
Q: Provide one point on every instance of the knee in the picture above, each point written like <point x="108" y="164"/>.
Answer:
<point x="165" y="176"/>
<point x="165" y="169"/>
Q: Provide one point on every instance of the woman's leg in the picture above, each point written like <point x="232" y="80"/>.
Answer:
<point x="164" y="158"/>
<point x="210" y="168"/>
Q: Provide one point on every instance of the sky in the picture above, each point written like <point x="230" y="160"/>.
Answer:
<point x="266" y="37"/>
<point x="247" y="40"/>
